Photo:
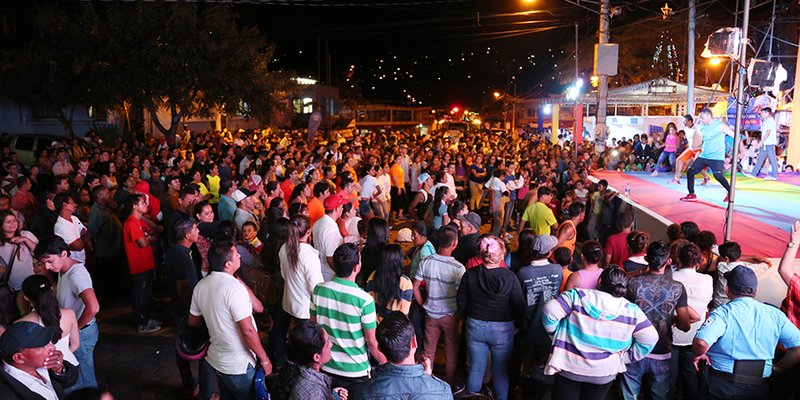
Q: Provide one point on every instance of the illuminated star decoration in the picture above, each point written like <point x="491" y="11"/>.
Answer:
<point x="666" y="11"/>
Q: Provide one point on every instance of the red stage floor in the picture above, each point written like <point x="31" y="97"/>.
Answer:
<point x="756" y="235"/>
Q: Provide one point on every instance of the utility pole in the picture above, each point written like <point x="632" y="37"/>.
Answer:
<point x="602" y="86"/>
<point x="741" y="65"/>
<point x="576" y="111"/>
<point x="690" y="60"/>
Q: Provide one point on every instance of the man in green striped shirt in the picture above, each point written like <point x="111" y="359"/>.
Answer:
<point x="348" y="315"/>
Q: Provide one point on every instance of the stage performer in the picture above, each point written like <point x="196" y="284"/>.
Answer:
<point x="713" y="134"/>
<point x="692" y="151"/>
<point x="768" y="142"/>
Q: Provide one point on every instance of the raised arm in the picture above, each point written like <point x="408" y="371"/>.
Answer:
<point x="786" y="267"/>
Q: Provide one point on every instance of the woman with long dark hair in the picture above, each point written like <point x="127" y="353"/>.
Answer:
<point x="301" y="193"/>
<point x="377" y="238"/>
<point x="524" y="254"/>
<point x="440" y="199"/>
<point x="391" y="289"/>
<point x="16" y="250"/>
<point x="300" y="268"/>
<point x="204" y="216"/>
<point x="301" y="271"/>
<point x="40" y="294"/>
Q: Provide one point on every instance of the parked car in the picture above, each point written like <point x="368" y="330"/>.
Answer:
<point x="28" y="146"/>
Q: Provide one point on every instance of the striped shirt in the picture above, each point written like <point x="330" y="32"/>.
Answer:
<point x="442" y="275"/>
<point x="345" y="311"/>
<point x="596" y="334"/>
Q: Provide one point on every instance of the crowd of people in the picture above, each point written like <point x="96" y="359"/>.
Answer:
<point x="357" y="255"/>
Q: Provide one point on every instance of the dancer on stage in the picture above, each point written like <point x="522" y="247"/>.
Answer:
<point x="692" y="151"/>
<point x="713" y="133"/>
<point x="768" y="141"/>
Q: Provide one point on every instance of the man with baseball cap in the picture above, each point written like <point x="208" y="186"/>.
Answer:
<point x="244" y="208"/>
<point x="326" y="234"/>
<point x="541" y="281"/>
<point x="741" y="359"/>
<point x="32" y="367"/>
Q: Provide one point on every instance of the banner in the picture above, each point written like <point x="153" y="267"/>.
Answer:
<point x="313" y="124"/>
<point x="751" y="120"/>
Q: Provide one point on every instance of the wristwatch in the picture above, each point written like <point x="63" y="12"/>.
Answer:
<point x="791" y="244"/>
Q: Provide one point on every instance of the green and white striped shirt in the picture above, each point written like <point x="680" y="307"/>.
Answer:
<point x="345" y="311"/>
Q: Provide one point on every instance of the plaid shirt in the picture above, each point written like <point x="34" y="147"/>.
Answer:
<point x="312" y="385"/>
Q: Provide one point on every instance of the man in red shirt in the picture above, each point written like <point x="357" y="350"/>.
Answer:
<point x="617" y="245"/>
<point x="137" y="237"/>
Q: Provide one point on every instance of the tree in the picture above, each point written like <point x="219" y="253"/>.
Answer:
<point x="57" y="69"/>
<point x="186" y="59"/>
<point x="189" y="61"/>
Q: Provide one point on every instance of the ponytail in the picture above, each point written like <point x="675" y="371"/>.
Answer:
<point x="298" y="227"/>
<point x="40" y="293"/>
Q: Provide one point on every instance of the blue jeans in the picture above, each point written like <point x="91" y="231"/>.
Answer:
<point x="236" y="387"/>
<point x="659" y="385"/>
<point x="663" y="157"/>
<point x="767" y="151"/>
<point x="85" y="356"/>
<point x="486" y="338"/>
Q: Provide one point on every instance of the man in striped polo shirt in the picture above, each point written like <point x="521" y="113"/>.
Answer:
<point x="442" y="275"/>
<point x="348" y="315"/>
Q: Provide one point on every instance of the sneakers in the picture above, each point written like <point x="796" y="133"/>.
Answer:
<point x="675" y="181"/>
<point x="689" y="197"/>
<point x="150" y="327"/>
<point x="655" y="173"/>
<point x="771" y="178"/>
<point x="705" y="181"/>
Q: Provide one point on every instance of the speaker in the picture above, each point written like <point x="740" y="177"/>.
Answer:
<point x="761" y="73"/>
<point x="606" y="57"/>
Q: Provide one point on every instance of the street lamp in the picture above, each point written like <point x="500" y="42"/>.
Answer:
<point x="496" y="95"/>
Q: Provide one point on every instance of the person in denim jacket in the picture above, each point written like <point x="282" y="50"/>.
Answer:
<point x="401" y="377"/>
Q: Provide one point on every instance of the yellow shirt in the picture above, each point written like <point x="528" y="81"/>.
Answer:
<point x="213" y="188"/>
<point x="540" y="217"/>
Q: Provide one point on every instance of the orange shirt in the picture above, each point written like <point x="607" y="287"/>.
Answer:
<point x="398" y="176"/>
<point x="315" y="210"/>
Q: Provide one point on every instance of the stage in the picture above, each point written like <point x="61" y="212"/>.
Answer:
<point x="763" y="213"/>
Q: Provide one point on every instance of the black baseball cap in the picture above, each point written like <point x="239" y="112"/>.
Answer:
<point x="25" y="335"/>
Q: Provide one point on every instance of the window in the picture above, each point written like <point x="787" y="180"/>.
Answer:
<point x="44" y="112"/>
<point x="303" y="106"/>
<point x="24" y="143"/>
<point x="401" y="115"/>
<point x="96" y="114"/>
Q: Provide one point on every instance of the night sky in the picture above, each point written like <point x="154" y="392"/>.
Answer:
<point x="449" y="52"/>
<point x="442" y="53"/>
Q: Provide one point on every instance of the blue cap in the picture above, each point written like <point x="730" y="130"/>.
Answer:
<point x="25" y="335"/>
<point x="423" y="177"/>
<point x="742" y="281"/>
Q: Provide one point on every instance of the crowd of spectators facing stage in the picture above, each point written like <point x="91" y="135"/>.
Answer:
<point x="379" y="265"/>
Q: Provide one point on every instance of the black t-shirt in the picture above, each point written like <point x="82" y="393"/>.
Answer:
<point x="540" y="283"/>
<point x="180" y="266"/>
<point x="467" y="248"/>
<point x="490" y="294"/>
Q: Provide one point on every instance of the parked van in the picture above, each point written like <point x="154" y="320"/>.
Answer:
<point x="27" y="146"/>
